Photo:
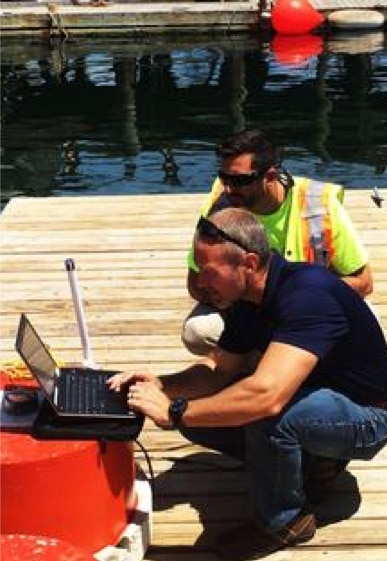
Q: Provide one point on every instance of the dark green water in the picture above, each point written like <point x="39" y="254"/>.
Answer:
<point x="113" y="116"/>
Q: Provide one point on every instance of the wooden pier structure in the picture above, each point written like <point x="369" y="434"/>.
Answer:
<point x="136" y="17"/>
<point x="130" y="253"/>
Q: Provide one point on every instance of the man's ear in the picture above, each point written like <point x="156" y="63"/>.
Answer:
<point x="271" y="174"/>
<point x="251" y="262"/>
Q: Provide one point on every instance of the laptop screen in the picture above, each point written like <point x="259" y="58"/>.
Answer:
<point x="35" y="354"/>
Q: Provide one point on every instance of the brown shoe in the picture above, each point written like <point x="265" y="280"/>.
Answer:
<point x="249" y="541"/>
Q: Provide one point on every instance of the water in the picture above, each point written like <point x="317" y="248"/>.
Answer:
<point x="106" y="116"/>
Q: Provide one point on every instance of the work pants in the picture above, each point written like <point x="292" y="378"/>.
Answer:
<point x="320" y="422"/>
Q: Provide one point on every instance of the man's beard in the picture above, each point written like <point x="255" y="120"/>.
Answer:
<point x="243" y="202"/>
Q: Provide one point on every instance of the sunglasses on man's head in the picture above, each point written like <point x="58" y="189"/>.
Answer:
<point x="239" y="180"/>
<point x="207" y="229"/>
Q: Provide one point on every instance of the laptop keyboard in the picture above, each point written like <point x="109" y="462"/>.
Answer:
<point x="86" y="392"/>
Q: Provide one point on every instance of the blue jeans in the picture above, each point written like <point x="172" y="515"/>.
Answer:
<point x="320" y="422"/>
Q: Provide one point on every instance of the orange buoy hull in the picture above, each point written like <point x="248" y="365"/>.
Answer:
<point x="76" y="491"/>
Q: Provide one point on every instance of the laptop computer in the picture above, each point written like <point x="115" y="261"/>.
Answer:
<point x="73" y="392"/>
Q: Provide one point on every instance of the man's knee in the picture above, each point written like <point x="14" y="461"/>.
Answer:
<point x="202" y="330"/>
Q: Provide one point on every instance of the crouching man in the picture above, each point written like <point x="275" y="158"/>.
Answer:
<point x="320" y="387"/>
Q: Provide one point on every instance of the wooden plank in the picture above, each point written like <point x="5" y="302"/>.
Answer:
<point x="167" y="553"/>
<point x="346" y="4"/>
<point x="198" y="509"/>
<point x="157" y="440"/>
<point x="234" y="482"/>
<point x="353" y="532"/>
<point x="134" y="17"/>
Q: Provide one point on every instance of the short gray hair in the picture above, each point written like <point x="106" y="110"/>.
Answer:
<point x="243" y="226"/>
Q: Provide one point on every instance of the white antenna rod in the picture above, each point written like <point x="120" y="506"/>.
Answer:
<point x="73" y="280"/>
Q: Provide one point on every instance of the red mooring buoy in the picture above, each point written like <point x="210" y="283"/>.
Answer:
<point x="76" y="491"/>
<point x="293" y="17"/>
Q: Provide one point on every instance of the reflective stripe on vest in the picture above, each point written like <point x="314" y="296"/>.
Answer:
<point x="217" y="190"/>
<point x="317" y="229"/>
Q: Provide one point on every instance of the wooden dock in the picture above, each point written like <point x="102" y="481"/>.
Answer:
<point x="135" y="18"/>
<point x="139" y="17"/>
<point x="130" y="255"/>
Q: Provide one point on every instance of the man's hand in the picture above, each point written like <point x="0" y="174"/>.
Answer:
<point x="148" y="398"/>
<point x="118" y="381"/>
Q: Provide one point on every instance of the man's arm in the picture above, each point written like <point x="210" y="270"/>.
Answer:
<point x="361" y="281"/>
<point x="228" y="399"/>
<point x="152" y="395"/>
<point x="281" y="371"/>
<point x="350" y="260"/>
<point x="207" y="377"/>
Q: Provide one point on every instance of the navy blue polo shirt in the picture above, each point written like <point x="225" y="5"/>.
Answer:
<point x="308" y="307"/>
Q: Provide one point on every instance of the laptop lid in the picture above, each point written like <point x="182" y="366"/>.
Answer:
<point x="36" y="356"/>
<point x="46" y="371"/>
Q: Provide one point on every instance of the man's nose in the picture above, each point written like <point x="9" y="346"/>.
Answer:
<point x="228" y="188"/>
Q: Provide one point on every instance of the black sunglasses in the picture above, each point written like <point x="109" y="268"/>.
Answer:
<point x="207" y="229"/>
<point x="239" y="180"/>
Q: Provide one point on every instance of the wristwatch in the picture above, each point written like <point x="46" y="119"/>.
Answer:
<point x="176" y="410"/>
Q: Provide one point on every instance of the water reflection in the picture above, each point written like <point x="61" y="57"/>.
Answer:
<point x="110" y="116"/>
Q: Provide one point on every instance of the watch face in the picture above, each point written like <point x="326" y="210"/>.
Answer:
<point x="176" y="410"/>
<point x="179" y="405"/>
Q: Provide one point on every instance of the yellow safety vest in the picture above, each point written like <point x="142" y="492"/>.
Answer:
<point x="309" y="225"/>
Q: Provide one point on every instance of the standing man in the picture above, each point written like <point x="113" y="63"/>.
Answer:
<point x="320" y="386"/>
<point x="304" y="221"/>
